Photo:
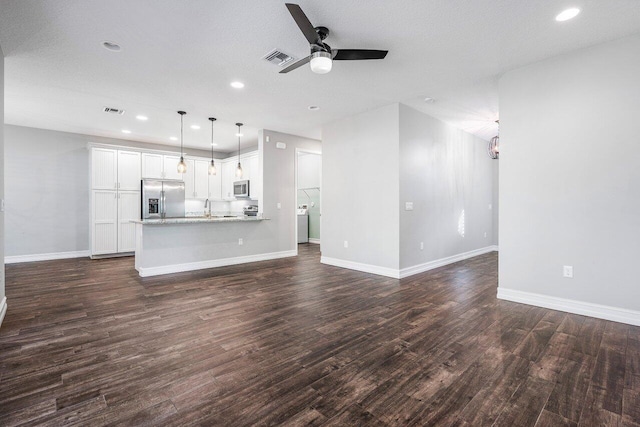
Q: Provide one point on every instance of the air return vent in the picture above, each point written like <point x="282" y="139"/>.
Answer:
<point x="277" y="57"/>
<point x="112" y="110"/>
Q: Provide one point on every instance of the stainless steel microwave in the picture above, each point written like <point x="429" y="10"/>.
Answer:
<point x="241" y="189"/>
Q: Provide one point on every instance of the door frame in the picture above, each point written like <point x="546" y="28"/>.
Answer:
<point x="305" y="151"/>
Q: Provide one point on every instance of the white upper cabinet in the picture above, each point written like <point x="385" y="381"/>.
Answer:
<point x="215" y="182"/>
<point x="171" y="167"/>
<point x="189" y="183"/>
<point x="128" y="170"/>
<point x="201" y="179"/>
<point x="152" y="165"/>
<point x="228" y="177"/>
<point x="104" y="169"/>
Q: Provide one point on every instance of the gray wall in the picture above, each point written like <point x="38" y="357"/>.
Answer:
<point x="360" y="191"/>
<point x="570" y="175"/>
<point x="47" y="191"/>
<point x="2" y="216"/>
<point x="448" y="176"/>
<point x="278" y="186"/>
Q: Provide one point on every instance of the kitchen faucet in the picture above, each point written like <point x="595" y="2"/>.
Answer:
<point x="207" y="203"/>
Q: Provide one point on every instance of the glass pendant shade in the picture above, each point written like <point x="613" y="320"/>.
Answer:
<point x="239" y="171"/>
<point x="212" y="168"/>
<point x="182" y="166"/>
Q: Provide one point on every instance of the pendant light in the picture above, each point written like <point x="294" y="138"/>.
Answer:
<point x="239" y="168"/>
<point x="494" y="145"/>
<point x="182" y="166"/>
<point x="212" y="166"/>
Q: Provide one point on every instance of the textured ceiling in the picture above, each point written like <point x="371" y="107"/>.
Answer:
<point x="183" y="55"/>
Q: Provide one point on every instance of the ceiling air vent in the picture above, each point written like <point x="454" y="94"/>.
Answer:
<point x="113" y="110"/>
<point x="277" y="57"/>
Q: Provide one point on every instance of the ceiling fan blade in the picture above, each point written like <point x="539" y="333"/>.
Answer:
<point x="303" y="22"/>
<point x="296" y="64"/>
<point x="358" y="54"/>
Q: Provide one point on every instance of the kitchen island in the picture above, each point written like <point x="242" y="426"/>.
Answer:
<point x="174" y="245"/>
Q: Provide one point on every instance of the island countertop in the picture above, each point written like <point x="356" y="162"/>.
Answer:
<point x="199" y="220"/>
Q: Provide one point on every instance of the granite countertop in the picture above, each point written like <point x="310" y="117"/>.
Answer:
<point x="199" y="220"/>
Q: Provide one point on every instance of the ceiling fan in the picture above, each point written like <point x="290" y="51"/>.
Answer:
<point x="322" y="56"/>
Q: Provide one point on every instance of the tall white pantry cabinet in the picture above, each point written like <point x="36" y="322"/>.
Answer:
<point x="115" y="200"/>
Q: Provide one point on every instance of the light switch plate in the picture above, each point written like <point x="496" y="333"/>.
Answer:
<point x="281" y="145"/>
<point x="279" y="205"/>
<point x="567" y="271"/>
<point x="408" y="206"/>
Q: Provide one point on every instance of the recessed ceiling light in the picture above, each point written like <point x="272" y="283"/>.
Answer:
<point x="565" y="15"/>
<point x="313" y="107"/>
<point x="141" y="117"/>
<point x="173" y="138"/>
<point x="195" y="127"/>
<point x="237" y="85"/>
<point x="429" y="100"/>
<point x="113" y="47"/>
<point x="239" y="134"/>
<point x="126" y="131"/>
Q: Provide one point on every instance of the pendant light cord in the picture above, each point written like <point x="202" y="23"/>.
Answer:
<point x="181" y="132"/>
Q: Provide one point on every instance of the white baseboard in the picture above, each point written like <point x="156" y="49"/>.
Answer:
<point x="200" y="265"/>
<point x="45" y="257"/>
<point x="3" y="309"/>
<point x="421" y="268"/>
<point x="314" y="241"/>
<point x="599" y="311"/>
<point x="366" y="268"/>
<point x="405" y="272"/>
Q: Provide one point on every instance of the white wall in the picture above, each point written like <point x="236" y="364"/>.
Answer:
<point x="2" y="235"/>
<point x="360" y="191"/>
<point x="570" y="176"/>
<point x="47" y="189"/>
<point x="278" y="186"/>
<point x="448" y="176"/>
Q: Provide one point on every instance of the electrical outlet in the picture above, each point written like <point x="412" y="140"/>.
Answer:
<point x="267" y="138"/>
<point x="421" y="246"/>
<point x="567" y="271"/>
<point x="2" y="205"/>
<point x="279" y="205"/>
<point x="408" y="206"/>
<point x="240" y="241"/>
<point x="485" y="234"/>
<point x="346" y="244"/>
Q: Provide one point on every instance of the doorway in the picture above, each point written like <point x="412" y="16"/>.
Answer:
<point x="308" y="196"/>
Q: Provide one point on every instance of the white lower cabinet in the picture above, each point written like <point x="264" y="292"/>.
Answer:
<point x="104" y="235"/>
<point x="112" y="230"/>
<point x="128" y="209"/>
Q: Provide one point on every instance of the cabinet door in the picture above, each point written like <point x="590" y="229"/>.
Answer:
<point x="228" y="177"/>
<point x="170" y="167"/>
<point x="215" y="183"/>
<point x="105" y="222"/>
<point x="128" y="209"/>
<point x="129" y="170"/>
<point x="104" y="169"/>
<point x="201" y="178"/>
<point x="152" y="166"/>
<point x="189" y="182"/>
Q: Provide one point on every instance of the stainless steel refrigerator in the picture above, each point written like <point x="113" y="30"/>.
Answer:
<point x="162" y="199"/>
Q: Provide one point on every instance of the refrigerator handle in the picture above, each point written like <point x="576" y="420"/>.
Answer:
<point x="163" y="207"/>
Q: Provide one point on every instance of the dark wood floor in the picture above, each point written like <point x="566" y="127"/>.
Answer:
<point x="293" y="342"/>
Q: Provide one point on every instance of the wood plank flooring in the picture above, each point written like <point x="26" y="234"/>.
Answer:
<point x="293" y="342"/>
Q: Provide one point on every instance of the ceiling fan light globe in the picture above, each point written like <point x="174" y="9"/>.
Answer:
<point x="321" y="62"/>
